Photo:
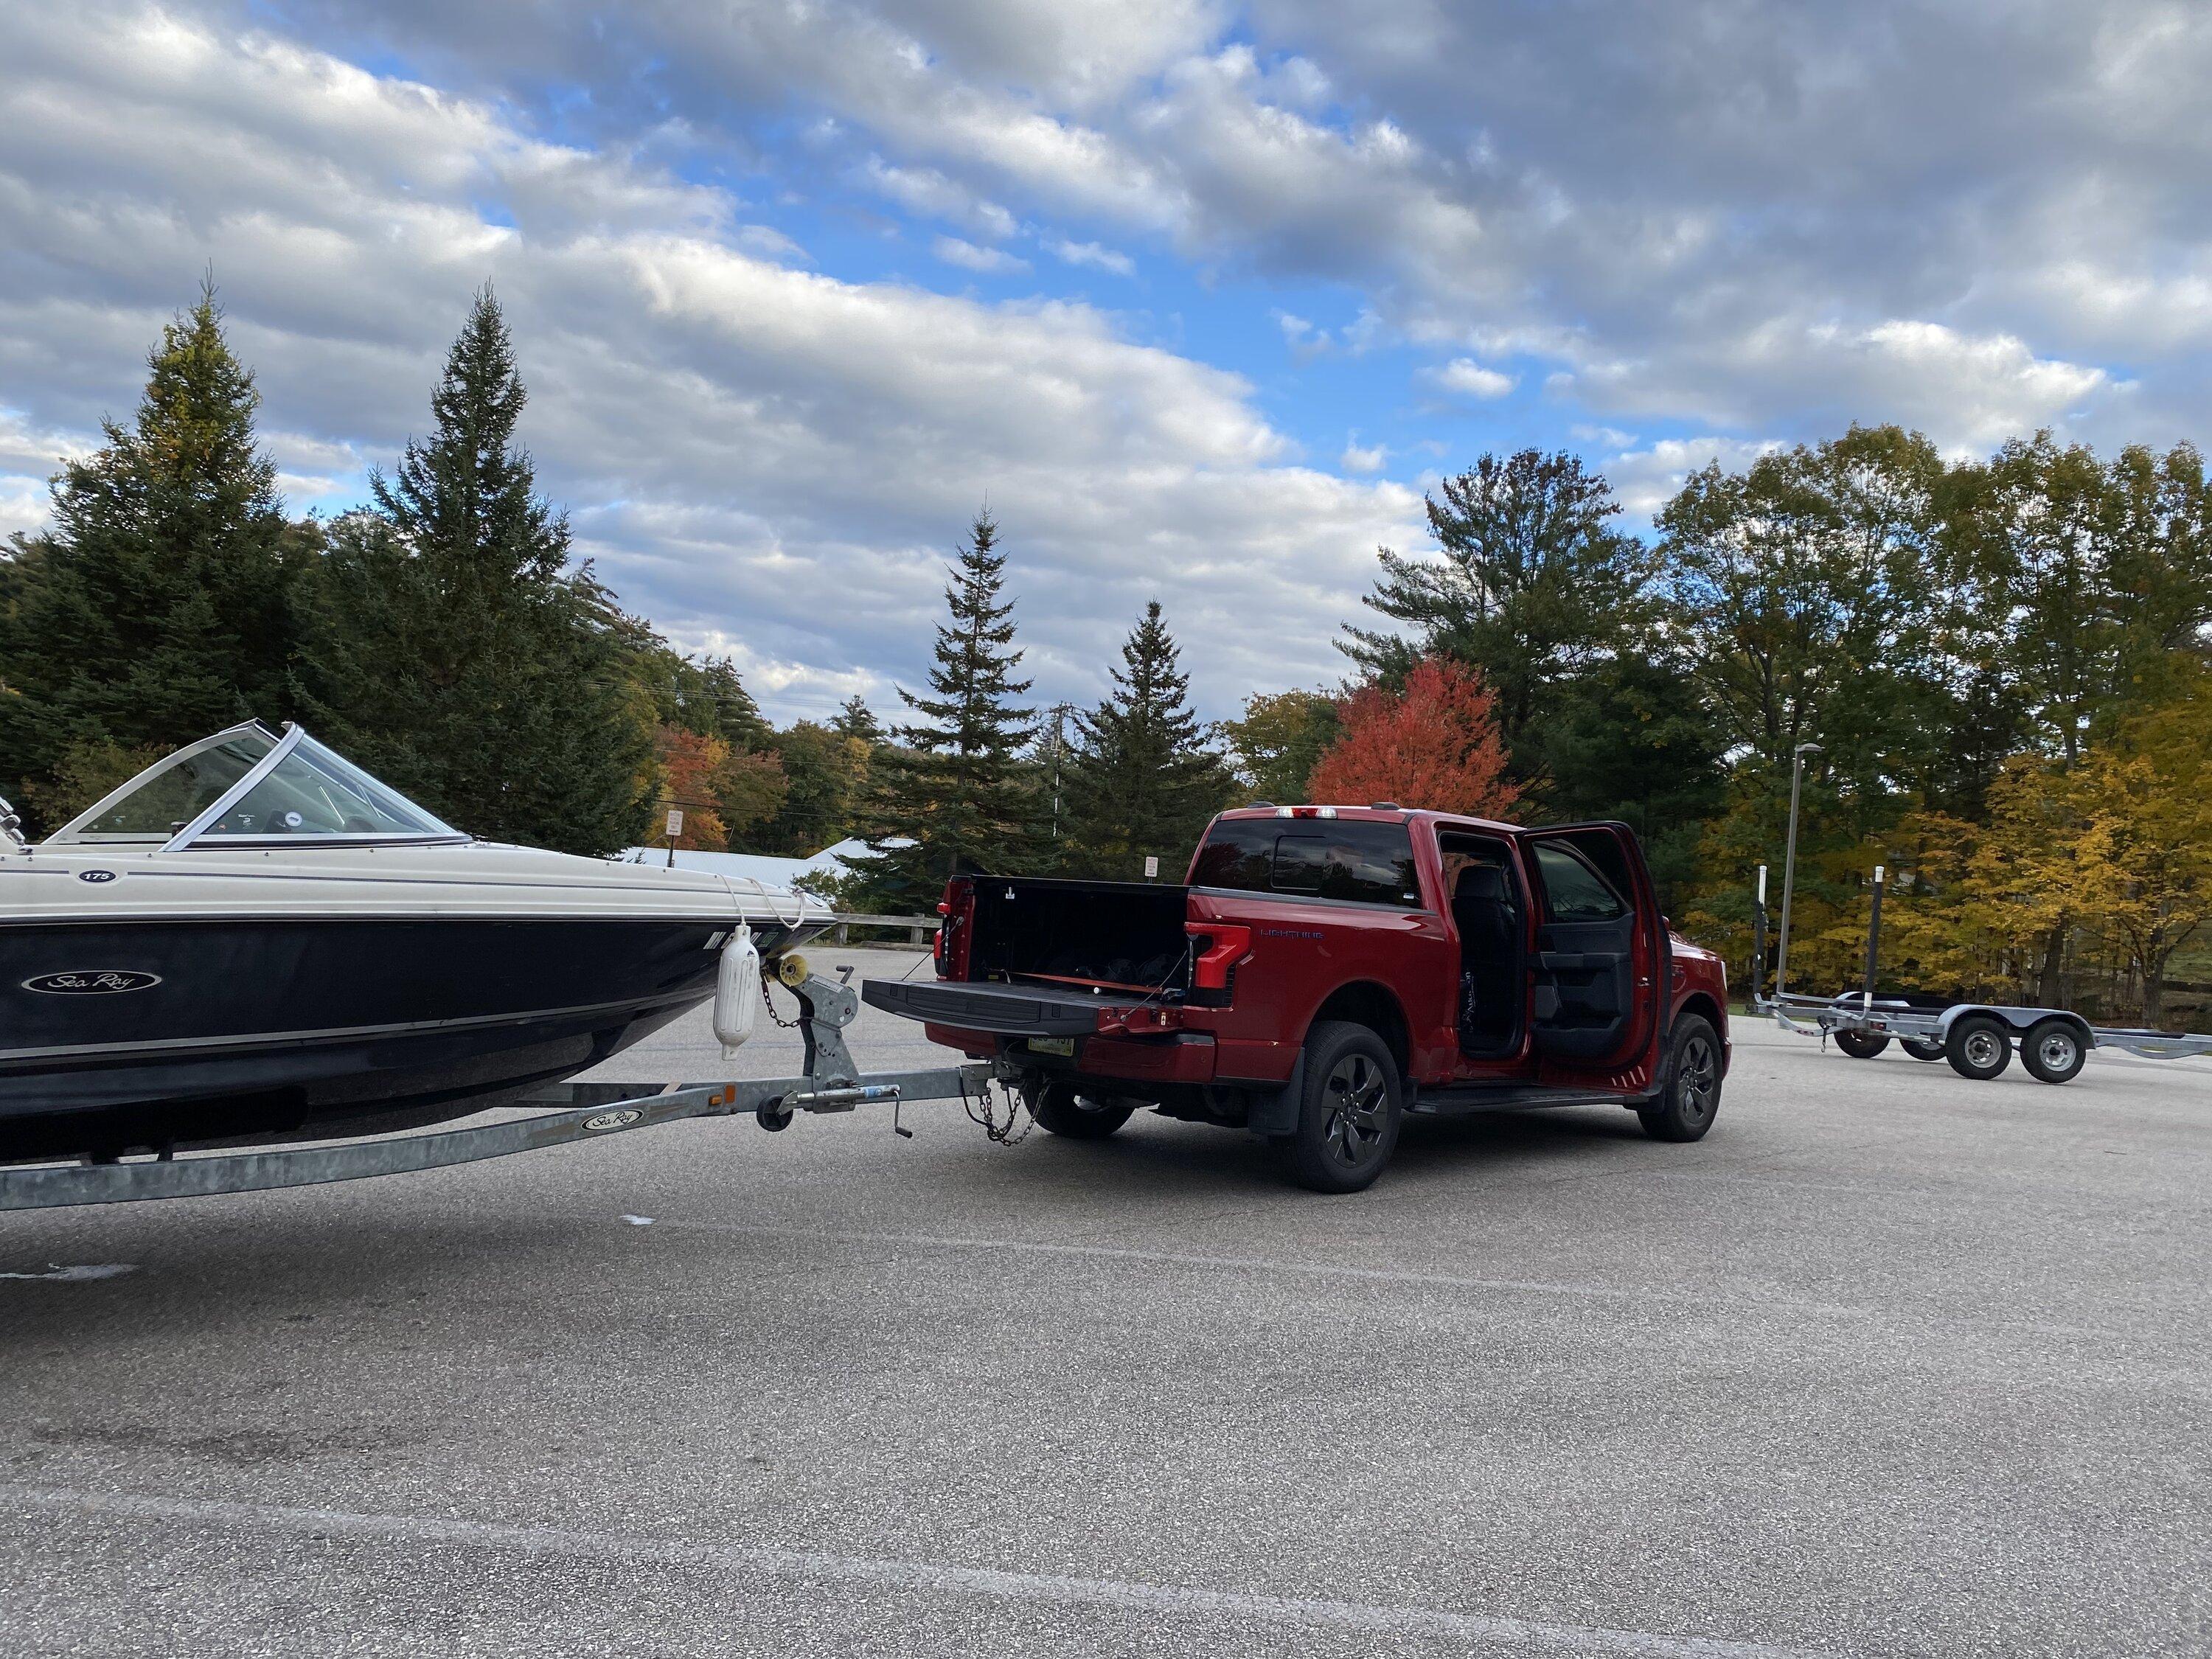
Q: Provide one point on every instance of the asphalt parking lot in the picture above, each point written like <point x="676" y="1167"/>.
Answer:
<point x="1892" y="1363"/>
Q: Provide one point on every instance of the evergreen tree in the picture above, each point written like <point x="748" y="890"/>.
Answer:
<point x="1534" y="587"/>
<point x="1140" y="779"/>
<point x="456" y="654"/>
<point x="855" y="719"/>
<point x="953" y="796"/>
<point x="157" y="610"/>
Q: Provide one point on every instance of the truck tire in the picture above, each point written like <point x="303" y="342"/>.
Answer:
<point x="1978" y="1046"/>
<point x="1862" y="1045"/>
<point x="1919" y="1049"/>
<point x="1692" y="1095"/>
<point x="1349" y="1110"/>
<point x="1080" y="1117"/>
<point x="2053" y="1051"/>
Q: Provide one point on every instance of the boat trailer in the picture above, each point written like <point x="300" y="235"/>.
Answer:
<point x="831" y="1082"/>
<point x="1977" y="1038"/>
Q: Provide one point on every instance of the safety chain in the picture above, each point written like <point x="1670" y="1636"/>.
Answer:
<point x="1017" y="1106"/>
<point x="768" y="1002"/>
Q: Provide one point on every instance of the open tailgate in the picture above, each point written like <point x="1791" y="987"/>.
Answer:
<point x="1005" y="1010"/>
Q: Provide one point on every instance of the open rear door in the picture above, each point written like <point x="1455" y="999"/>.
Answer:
<point x="1601" y="968"/>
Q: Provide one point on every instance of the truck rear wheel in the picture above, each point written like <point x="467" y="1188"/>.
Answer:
<point x="1687" y="1104"/>
<point x="1349" y="1111"/>
<point x="1080" y="1117"/>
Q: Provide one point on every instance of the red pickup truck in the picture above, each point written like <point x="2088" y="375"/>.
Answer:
<point x="1326" y="969"/>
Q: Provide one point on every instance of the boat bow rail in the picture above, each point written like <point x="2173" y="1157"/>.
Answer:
<point x="589" y="1111"/>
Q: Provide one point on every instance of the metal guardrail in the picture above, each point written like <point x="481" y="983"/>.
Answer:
<point x="918" y="928"/>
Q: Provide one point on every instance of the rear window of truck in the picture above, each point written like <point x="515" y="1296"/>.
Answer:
<point x="1363" y="863"/>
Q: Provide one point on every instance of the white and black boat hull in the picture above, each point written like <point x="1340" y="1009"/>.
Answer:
<point x="151" y="1033"/>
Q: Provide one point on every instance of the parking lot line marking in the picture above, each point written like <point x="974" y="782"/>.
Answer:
<point x="751" y="1560"/>
<point x="1265" y="1264"/>
<point x="1381" y="1276"/>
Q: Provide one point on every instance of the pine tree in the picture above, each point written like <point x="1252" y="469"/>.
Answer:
<point x="952" y="795"/>
<point x="855" y="719"/>
<point x="157" y="610"/>
<point x="1140" y="778"/>
<point x="457" y="655"/>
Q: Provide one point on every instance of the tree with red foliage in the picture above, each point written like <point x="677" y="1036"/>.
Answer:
<point x="1434" y="746"/>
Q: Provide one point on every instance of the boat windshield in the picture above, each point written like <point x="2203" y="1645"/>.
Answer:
<point x="315" y="791"/>
<point x="165" y="797"/>
<point x="247" y="785"/>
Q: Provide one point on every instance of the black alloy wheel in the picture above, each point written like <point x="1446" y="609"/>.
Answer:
<point x="1692" y="1095"/>
<point x="1062" y="1111"/>
<point x="1350" y="1112"/>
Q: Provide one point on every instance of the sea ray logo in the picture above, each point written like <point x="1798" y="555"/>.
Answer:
<point x="92" y="982"/>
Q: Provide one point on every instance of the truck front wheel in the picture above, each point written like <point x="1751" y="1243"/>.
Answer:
<point x="1080" y="1117"/>
<point x="1349" y="1112"/>
<point x="1686" y="1105"/>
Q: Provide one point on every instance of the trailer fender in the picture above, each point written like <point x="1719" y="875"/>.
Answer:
<point x="2018" y="1020"/>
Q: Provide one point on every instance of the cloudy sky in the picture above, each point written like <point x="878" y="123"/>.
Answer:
<point x="1199" y="295"/>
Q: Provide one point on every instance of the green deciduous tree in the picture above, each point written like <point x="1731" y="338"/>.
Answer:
<point x="1280" y="740"/>
<point x="457" y="654"/>
<point x="156" y="609"/>
<point x="1141" y="777"/>
<point x="951" y="793"/>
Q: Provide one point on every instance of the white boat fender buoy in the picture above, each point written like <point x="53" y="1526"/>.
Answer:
<point x="737" y="991"/>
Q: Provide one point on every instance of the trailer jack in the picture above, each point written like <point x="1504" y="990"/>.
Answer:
<point x="831" y="1082"/>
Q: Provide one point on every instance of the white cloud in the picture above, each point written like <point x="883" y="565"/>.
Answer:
<point x="927" y="191"/>
<point x="1358" y="458"/>
<point x="1090" y="253"/>
<point x="954" y="251"/>
<point x="1468" y="379"/>
<point x="752" y="451"/>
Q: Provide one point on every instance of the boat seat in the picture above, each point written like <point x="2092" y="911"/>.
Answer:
<point x="1490" y="958"/>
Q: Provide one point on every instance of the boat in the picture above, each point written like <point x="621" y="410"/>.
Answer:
<point x="254" y="940"/>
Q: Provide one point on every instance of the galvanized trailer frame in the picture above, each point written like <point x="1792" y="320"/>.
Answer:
<point x="1977" y="1038"/>
<point x="830" y="1082"/>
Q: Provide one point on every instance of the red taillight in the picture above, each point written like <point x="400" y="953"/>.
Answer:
<point x="1222" y="948"/>
<point x="958" y="906"/>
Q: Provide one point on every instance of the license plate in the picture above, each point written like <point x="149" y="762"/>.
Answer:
<point x="1064" y="1047"/>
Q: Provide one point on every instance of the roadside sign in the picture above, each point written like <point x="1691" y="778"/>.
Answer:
<point x="675" y="821"/>
<point x="1152" y="869"/>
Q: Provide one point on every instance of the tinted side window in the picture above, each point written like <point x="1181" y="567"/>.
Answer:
<point x="1366" y="863"/>
<point x="1573" y="892"/>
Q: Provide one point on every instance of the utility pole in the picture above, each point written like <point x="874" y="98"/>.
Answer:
<point x="1790" y="867"/>
<point x="1060" y="711"/>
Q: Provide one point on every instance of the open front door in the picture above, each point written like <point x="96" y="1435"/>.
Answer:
<point x="1600" y="974"/>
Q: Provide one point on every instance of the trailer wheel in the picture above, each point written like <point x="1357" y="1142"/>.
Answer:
<point x="1978" y="1046"/>
<point x="1919" y="1049"/>
<point x="1862" y="1045"/>
<point x="2052" y="1051"/>
<point x="1686" y="1106"/>
<point x="1080" y="1117"/>
<point x="1349" y="1112"/>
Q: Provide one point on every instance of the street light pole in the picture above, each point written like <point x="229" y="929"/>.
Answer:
<point x="1790" y="867"/>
